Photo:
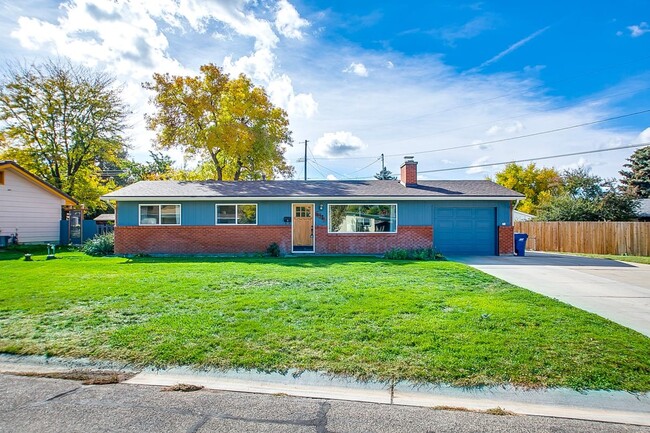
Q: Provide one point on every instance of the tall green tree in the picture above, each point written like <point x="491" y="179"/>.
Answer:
<point x="588" y="197"/>
<point x="61" y="121"/>
<point x="228" y="122"/>
<point x="160" y="167"/>
<point x="539" y="185"/>
<point x="636" y="179"/>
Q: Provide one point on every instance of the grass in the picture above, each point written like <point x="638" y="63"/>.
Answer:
<point x="369" y="318"/>
<point x="633" y="259"/>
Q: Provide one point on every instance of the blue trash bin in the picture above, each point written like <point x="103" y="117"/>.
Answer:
<point x="520" y="243"/>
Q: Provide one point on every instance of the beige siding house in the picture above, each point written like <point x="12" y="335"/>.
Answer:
<point x="29" y="206"/>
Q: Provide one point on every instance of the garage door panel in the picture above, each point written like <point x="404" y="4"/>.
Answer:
<point x="465" y="230"/>
<point x="464" y="213"/>
<point x="445" y="213"/>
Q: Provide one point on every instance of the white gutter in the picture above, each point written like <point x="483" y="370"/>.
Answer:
<point x="309" y="198"/>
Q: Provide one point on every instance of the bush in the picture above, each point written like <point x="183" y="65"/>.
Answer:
<point x="100" y="245"/>
<point x="273" y="250"/>
<point x="413" y="254"/>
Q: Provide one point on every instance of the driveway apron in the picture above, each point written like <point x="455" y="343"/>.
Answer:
<point x="618" y="291"/>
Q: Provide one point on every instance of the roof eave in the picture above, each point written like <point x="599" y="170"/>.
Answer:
<point x="307" y="198"/>
<point x="69" y="201"/>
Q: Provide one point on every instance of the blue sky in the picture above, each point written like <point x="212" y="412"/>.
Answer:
<point x="362" y="78"/>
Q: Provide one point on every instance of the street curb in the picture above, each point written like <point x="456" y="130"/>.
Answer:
<point x="604" y="406"/>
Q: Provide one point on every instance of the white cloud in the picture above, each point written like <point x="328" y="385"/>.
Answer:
<point x="639" y="30"/>
<point x="357" y="69"/>
<point x="509" y="50"/>
<point x="259" y="65"/>
<point x="423" y="105"/>
<point x="644" y="137"/>
<point x="505" y="129"/>
<point x="282" y="94"/>
<point x="331" y="177"/>
<point x="198" y="14"/>
<point x="468" y="30"/>
<point x="581" y="162"/>
<point x="288" y="20"/>
<point x="479" y="161"/>
<point x="339" y="143"/>
<point x="121" y="34"/>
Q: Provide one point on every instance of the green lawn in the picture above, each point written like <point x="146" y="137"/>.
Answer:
<point x="363" y="317"/>
<point x="633" y="259"/>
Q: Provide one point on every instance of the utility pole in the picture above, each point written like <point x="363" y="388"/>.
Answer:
<point x="306" y="159"/>
<point x="382" y="162"/>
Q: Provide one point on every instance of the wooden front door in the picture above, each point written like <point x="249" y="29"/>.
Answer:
<point x="303" y="227"/>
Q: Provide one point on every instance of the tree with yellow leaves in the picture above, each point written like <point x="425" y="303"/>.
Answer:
<point x="539" y="185"/>
<point x="228" y="122"/>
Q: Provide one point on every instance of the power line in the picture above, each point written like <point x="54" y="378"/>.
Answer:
<point x="363" y="168"/>
<point x="500" y="140"/>
<point x="631" y="146"/>
<point x="534" y="134"/>
<point x="317" y="170"/>
<point x="591" y="100"/>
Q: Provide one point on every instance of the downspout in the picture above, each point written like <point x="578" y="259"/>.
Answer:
<point x="512" y="213"/>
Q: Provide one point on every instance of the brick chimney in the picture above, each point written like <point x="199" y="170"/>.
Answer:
<point x="408" y="175"/>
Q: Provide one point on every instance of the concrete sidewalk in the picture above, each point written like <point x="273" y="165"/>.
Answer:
<point x="618" y="291"/>
<point x="604" y="406"/>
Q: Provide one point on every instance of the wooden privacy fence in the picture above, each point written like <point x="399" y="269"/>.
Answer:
<point x="632" y="238"/>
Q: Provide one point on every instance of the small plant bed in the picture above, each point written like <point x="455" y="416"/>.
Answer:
<point x="369" y="318"/>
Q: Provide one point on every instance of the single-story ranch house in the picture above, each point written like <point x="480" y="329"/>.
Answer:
<point x="322" y="217"/>
<point x="30" y="207"/>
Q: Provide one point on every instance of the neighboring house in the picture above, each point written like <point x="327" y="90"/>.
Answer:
<point x="521" y="216"/>
<point x="29" y="206"/>
<point x="104" y="223"/>
<point x="323" y="217"/>
<point x="644" y="210"/>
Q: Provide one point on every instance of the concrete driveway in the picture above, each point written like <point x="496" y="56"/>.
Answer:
<point x="618" y="291"/>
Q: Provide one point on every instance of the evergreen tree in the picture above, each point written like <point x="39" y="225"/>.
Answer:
<point x="636" y="180"/>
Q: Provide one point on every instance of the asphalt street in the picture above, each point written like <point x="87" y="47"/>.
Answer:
<point x="29" y="404"/>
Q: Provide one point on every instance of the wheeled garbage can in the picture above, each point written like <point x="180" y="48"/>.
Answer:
<point x="520" y="243"/>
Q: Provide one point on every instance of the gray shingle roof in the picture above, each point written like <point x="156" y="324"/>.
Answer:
<point x="435" y="189"/>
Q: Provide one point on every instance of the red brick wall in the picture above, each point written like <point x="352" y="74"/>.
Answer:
<point x="506" y="240"/>
<point x="200" y="239"/>
<point x="255" y="239"/>
<point x="372" y="243"/>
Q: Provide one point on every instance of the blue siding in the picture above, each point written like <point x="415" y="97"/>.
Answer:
<point x="126" y="214"/>
<point x="272" y="213"/>
<point x="201" y="213"/>
<point x="193" y="213"/>
<point x="409" y="213"/>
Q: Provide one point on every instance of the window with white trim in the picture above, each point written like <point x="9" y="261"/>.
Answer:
<point x="160" y="214"/>
<point x="362" y="218"/>
<point x="236" y="214"/>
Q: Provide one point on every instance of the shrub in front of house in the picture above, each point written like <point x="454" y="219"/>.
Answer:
<point x="273" y="250"/>
<point x="413" y="254"/>
<point x="100" y="245"/>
